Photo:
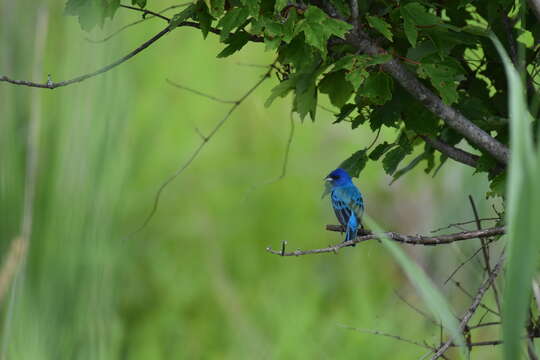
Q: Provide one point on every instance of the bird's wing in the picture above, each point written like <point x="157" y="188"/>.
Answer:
<point x="353" y="198"/>
<point x="341" y="208"/>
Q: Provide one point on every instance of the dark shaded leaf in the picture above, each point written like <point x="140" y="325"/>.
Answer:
<point x="337" y="88"/>
<point x="380" y="150"/>
<point x="355" y="163"/>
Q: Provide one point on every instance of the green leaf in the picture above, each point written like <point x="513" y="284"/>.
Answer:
<point x="318" y="27"/>
<point x="410" y="31"/>
<point x="182" y="16"/>
<point x="419" y="119"/>
<point x="204" y="18"/>
<point x="380" y="150"/>
<point x="377" y="88"/>
<point x="232" y="19"/>
<point x="140" y="3"/>
<point x="236" y="42"/>
<point x="497" y="186"/>
<point x="408" y="167"/>
<point x="381" y="26"/>
<point x="346" y="62"/>
<point x="297" y="53"/>
<point x="415" y="14"/>
<point x="281" y="90"/>
<point x="306" y="102"/>
<point x="379" y="59"/>
<point x="253" y="7"/>
<point x="443" y="76"/>
<point x="280" y="4"/>
<point x="338" y="89"/>
<point x="355" y="163"/>
<point x="215" y="7"/>
<point x="357" y="77"/>
<point x="418" y="14"/>
<point x="91" y="13"/>
<point x="345" y="111"/>
<point x="393" y="158"/>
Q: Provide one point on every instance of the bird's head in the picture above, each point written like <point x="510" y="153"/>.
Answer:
<point x="338" y="177"/>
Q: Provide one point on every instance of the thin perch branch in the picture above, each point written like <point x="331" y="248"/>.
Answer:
<point x="406" y="239"/>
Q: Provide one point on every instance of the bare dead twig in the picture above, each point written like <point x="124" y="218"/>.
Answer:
<point x="113" y="34"/>
<point x="406" y="239"/>
<point x="146" y="12"/>
<point x="416" y="309"/>
<point x="54" y="85"/>
<point x="464" y="223"/>
<point x="485" y="307"/>
<point x="201" y="146"/>
<point x="211" y="97"/>
<point x="380" y="333"/>
<point x="485" y="252"/>
<point x="472" y="308"/>
<point x="461" y="265"/>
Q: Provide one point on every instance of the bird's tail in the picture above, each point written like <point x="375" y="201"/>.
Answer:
<point x="351" y="234"/>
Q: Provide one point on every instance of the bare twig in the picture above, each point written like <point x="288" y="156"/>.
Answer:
<point x="485" y="307"/>
<point x="146" y="12"/>
<point x="472" y="308"/>
<point x="485" y="252"/>
<point x="461" y="265"/>
<point x="211" y="97"/>
<point x="406" y="239"/>
<point x="424" y="314"/>
<point x="54" y="85"/>
<point x="491" y="323"/>
<point x="285" y="160"/>
<point x="201" y="146"/>
<point x="464" y="223"/>
<point x="380" y="333"/>
<point x="113" y="34"/>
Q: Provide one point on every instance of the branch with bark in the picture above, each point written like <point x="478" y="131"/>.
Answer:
<point x="405" y="239"/>
<point x="452" y="117"/>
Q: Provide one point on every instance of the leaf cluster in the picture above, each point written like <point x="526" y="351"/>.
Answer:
<point x="443" y="44"/>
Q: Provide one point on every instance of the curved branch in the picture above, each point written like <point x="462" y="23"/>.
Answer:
<point x="406" y="239"/>
<point x="431" y="101"/>
<point x="53" y="85"/>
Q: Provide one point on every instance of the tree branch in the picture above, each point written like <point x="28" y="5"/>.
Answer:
<point x="451" y="151"/>
<point x="432" y="102"/>
<point x="406" y="239"/>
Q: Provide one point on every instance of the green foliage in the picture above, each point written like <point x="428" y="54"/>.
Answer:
<point x="355" y="163"/>
<point x="93" y="12"/>
<point x="446" y="50"/>
<point x="381" y="26"/>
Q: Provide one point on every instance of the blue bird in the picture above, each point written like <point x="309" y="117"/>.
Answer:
<point x="347" y="201"/>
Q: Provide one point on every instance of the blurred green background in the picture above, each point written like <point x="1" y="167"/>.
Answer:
<point x="196" y="283"/>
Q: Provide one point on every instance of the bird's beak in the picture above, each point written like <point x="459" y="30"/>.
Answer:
<point x="329" y="179"/>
